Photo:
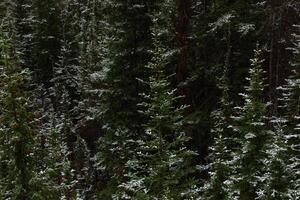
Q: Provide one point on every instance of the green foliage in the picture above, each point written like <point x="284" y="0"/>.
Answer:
<point x="280" y="176"/>
<point x="289" y="109"/>
<point x="125" y="53"/>
<point x="220" y="167"/>
<point x="90" y="107"/>
<point x="162" y="166"/>
<point x="253" y="136"/>
<point x="22" y="168"/>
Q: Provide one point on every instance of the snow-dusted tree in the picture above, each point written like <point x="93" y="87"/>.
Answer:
<point x="22" y="14"/>
<point x="56" y="162"/>
<point x="125" y="52"/>
<point x="66" y="69"/>
<point x="56" y="129"/>
<point x="161" y="168"/>
<point x="219" y="168"/>
<point x="279" y="176"/>
<point x="253" y="136"/>
<point x="91" y="45"/>
<point x="290" y="110"/>
<point x="23" y="173"/>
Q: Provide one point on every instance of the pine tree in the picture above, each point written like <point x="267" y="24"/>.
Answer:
<point x="279" y="175"/>
<point x="22" y="13"/>
<point x="125" y="52"/>
<point x="23" y="173"/>
<point x="162" y="166"/>
<point x="289" y="109"/>
<point x="58" y="179"/>
<point x="66" y="69"/>
<point x="218" y="185"/>
<point x="250" y="157"/>
<point x="55" y="130"/>
<point x="91" y="59"/>
<point x="283" y="162"/>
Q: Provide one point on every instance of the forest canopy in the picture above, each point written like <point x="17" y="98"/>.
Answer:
<point x="149" y="100"/>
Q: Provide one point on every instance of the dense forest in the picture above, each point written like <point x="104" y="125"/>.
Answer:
<point x="150" y="99"/>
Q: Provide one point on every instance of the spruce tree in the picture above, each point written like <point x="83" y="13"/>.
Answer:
<point x="125" y="52"/>
<point x="289" y="109"/>
<point x="161" y="168"/>
<point x="23" y="172"/>
<point x="279" y="175"/>
<point x="56" y="131"/>
<point x="283" y="162"/>
<point x="250" y="157"/>
<point x="92" y="41"/>
<point x="220" y="168"/>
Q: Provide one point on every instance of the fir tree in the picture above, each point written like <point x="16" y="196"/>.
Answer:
<point x="289" y="109"/>
<point x="66" y="70"/>
<point x="23" y="172"/>
<point x="92" y="59"/>
<point x="250" y="159"/>
<point x="55" y="131"/>
<point x="162" y="166"/>
<point x="125" y="52"/>
<point x="279" y="175"/>
<point x="57" y="175"/>
<point x="218" y="185"/>
<point x="22" y="13"/>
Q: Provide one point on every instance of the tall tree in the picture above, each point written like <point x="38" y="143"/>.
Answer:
<point x="253" y="137"/>
<point x="126" y="43"/>
<point x="289" y="107"/>
<point x="217" y="186"/>
<point x="162" y="167"/>
<point x="23" y="173"/>
<point x="279" y="176"/>
<point x="22" y="13"/>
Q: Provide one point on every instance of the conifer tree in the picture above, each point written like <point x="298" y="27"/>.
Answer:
<point x="290" y="110"/>
<point x="283" y="162"/>
<point x="93" y="66"/>
<point x="279" y="176"/>
<point x="218" y="185"/>
<point x="162" y="166"/>
<point x="23" y="172"/>
<point x="75" y="157"/>
<point x="22" y="14"/>
<point x="66" y="69"/>
<point x="55" y="131"/>
<point x="250" y="157"/>
<point x="125" y="52"/>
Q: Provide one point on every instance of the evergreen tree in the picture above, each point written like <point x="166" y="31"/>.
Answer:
<point x="92" y="71"/>
<point x="279" y="175"/>
<point x="250" y="157"/>
<point x="218" y="185"/>
<point x="162" y="168"/>
<point x="57" y="172"/>
<point x="56" y="131"/>
<point x="66" y="70"/>
<point x="289" y="109"/>
<point x="22" y="13"/>
<point x="23" y="172"/>
<point x="125" y="42"/>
